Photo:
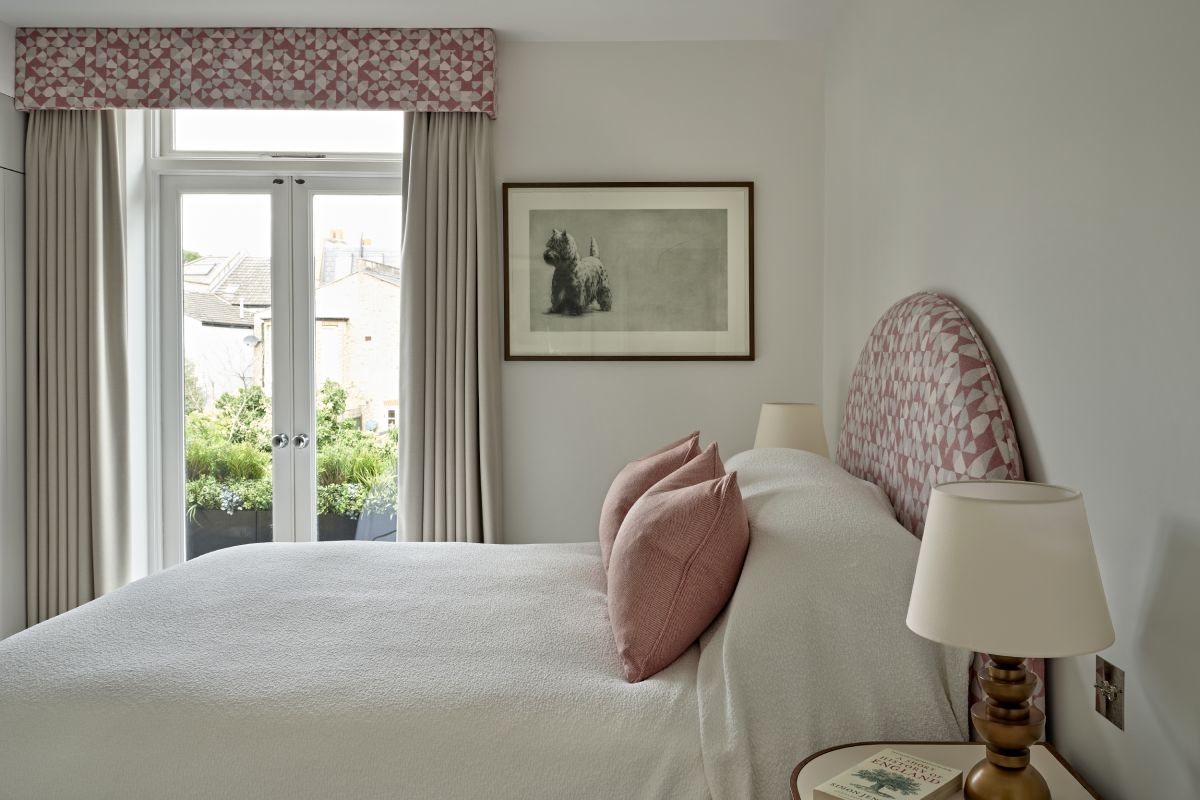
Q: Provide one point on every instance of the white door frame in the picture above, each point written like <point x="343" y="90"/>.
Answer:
<point x="293" y="314"/>
<point x="304" y="388"/>
<point x="171" y="349"/>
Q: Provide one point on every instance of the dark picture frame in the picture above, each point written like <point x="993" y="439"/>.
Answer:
<point x="629" y="271"/>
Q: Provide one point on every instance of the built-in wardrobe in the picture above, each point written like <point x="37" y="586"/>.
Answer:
<point x="12" y="352"/>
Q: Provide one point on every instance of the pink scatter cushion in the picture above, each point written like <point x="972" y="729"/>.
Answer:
<point x="706" y="466"/>
<point x="632" y="482"/>
<point x="674" y="567"/>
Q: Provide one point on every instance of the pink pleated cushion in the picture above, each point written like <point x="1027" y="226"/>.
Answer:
<point x="674" y="567"/>
<point x="632" y="482"/>
<point x="707" y="466"/>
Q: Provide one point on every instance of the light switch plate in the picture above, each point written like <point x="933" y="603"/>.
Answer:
<point x="1110" y="692"/>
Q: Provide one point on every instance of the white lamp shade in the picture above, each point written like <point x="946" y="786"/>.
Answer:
<point x="794" y="425"/>
<point x="1008" y="568"/>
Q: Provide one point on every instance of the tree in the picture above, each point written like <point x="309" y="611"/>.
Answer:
<point x="331" y="408"/>
<point x="194" y="396"/>
<point x="244" y="414"/>
<point x="191" y="255"/>
<point x="886" y="779"/>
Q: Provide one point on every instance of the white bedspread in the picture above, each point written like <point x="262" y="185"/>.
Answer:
<point x="812" y="650"/>
<point x="346" y="670"/>
<point x="408" y="671"/>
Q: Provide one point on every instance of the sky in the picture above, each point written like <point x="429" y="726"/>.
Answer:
<point x="222" y="224"/>
<point x="255" y="131"/>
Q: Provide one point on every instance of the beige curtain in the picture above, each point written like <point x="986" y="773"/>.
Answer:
<point x="76" y="372"/>
<point x="450" y="352"/>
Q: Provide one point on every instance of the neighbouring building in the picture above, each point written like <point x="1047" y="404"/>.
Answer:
<point x="228" y="326"/>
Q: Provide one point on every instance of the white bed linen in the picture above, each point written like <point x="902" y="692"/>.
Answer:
<point x="812" y="650"/>
<point x="346" y="670"/>
<point x="356" y="670"/>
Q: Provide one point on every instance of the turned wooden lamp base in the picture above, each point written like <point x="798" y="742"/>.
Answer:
<point x="986" y="781"/>
<point x="1008" y="724"/>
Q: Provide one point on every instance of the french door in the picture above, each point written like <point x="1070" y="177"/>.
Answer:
<point x="280" y="359"/>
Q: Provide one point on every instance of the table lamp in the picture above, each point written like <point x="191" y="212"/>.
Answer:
<point x="1008" y="567"/>
<point x="794" y="425"/>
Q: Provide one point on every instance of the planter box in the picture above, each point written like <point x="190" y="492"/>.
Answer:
<point x="210" y="529"/>
<point x="366" y="528"/>
<point x="376" y="528"/>
<point x="336" y="528"/>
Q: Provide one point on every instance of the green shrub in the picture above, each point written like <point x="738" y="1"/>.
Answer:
<point x="228" y="457"/>
<point x="224" y="461"/>
<point x="254" y="495"/>
<point x="207" y="493"/>
<point x="242" y="462"/>
<point x="354" y="499"/>
<point x="363" y="461"/>
<point x="203" y="492"/>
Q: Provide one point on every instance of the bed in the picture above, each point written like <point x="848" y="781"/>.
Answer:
<point x="440" y="670"/>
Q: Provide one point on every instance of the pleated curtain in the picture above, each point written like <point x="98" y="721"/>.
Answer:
<point x="449" y="397"/>
<point x="78" y="540"/>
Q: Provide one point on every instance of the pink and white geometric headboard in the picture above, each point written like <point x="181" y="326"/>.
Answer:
<point x="925" y="406"/>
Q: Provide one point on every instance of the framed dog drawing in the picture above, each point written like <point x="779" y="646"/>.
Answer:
<point x="640" y="271"/>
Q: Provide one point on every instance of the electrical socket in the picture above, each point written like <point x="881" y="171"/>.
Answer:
<point x="1110" y="692"/>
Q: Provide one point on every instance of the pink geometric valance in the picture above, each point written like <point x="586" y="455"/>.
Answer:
<point x="409" y="69"/>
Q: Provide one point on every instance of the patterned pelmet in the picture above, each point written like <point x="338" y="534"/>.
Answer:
<point x="419" y="69"/>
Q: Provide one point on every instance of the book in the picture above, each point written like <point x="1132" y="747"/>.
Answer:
<point x="892" y="775"/>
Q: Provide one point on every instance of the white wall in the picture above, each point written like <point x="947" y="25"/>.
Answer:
<point x="12" y="369"/>
<point x="650" y="111"/>
<point x="12" y="135"/>
<point x="1039" y="162"/>
<point x="8" y="59"/>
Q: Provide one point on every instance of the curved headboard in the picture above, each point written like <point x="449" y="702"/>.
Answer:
<point x="925" y="406"/>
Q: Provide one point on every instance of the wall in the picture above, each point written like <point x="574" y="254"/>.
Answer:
<point x="12" y="135"/>
<point x="12" y="357"/>
<point x="651" y="111"/>
<point x="372" y="306"/>
<point x="8" y="59"/>
<point x="1038" y="162"/>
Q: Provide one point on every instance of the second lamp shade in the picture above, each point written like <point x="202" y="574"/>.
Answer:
<point x="794" y="425"/>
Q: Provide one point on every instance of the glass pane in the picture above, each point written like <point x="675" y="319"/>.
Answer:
<point x="226" y="264"/>
<point x="248" y="131"/>
<point x="356" y="255"/>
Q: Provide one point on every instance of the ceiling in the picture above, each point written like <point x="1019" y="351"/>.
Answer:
<point x="520" y="20"/>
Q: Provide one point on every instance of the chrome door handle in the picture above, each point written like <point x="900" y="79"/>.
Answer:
<point x="301" y="440"/>
<point x="280" y="440"/>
